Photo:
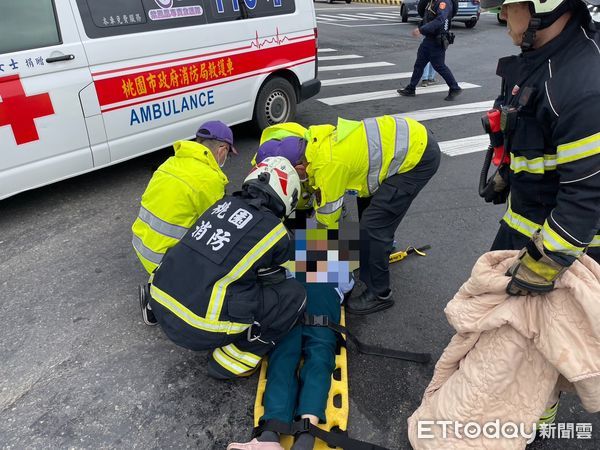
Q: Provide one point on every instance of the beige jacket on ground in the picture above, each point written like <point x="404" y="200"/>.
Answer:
<point x="506" y="358"/>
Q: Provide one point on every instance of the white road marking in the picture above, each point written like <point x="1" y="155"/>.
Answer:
<point x="391" y="24"/>
<point x="391" y="15"/>
<point x="365" y="78"/>
<point x="447" y="111"/>
<point x="333" y="58"/>
<point x="326" y="50"/>
<point x="361" y="8"/>
<point x="464" y="146"/>
<point x="373" y="17"/>
<point x="379" y="95"/>
<point x="355" y="17"/>
<point x="354" y="66"/>
<point x="336" y="17"/>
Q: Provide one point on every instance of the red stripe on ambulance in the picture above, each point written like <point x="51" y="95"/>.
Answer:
<point x="139" y="85"/>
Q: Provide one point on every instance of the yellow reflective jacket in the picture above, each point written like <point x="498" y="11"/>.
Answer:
<point x="281" y="131"/>
<point x="357" y="156"/>
<point x="180" y="190"/>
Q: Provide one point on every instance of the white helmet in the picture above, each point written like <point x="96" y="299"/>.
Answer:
<point x="540" y="7"/>
<point x="543" y="14"/>
<point x="277" y="177"/>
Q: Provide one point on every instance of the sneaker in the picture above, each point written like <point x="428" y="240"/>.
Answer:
<point x="368" y="302"/>
<point x="147" y="314"/>
<point x="431" y="82"/>
<point x="452" y="94"/>
<point x="406" y="92"/>
<point x="424" y="83"/>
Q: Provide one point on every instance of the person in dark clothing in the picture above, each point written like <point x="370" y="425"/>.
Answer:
<point x="553" y="90"/>
<point x="222" y="287"/>
<point x="435" y="28"/>
<point x="550" y="103"/>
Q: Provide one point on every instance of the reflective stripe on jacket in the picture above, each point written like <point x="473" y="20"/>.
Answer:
<point x="208" y="282"/>
<point x="359" y="156"/>
<point x="555" y="147"/>
<point x="180" y="190"/>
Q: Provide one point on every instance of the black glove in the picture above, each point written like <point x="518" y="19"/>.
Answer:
<point x="497" y="189"/>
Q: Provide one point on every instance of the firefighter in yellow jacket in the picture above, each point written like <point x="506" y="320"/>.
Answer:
<point x="180" y="190"/>
<point x="384" y="162"/>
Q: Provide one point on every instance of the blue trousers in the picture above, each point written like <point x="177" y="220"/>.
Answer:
<point x="431" y="51"/>
<point x="288" y="394"/>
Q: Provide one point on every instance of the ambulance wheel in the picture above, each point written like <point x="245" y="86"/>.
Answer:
<point x="276" y="103"/>
<point x="348" y="1"/>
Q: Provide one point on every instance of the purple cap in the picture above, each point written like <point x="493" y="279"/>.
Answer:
<point x="291" y="148"/>
<point x="217" y="130"/>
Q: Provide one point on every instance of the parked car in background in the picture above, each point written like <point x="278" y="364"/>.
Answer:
<point x="468" y="11"/>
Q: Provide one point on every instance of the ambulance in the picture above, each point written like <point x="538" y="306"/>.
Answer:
<point x="89" y="83"/>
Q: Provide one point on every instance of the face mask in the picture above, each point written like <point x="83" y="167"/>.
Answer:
<point x="224" y="160"/>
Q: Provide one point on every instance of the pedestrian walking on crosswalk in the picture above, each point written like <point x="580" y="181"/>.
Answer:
<point x="436" y="23"/>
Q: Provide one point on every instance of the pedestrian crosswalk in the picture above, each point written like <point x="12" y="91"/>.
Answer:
<point x="350" y="18"/>
<point x="361" y="92"/>
<point x="380" y="95"/>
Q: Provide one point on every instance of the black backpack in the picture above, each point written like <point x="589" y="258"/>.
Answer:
<point x="422" y="6"/>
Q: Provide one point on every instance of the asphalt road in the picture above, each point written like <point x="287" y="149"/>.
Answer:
<point x="80" y="370"/>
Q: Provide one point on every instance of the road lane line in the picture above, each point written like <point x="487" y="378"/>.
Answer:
<point x="466" y="145"/>
<point x="328" y="16"/>
<point x="354" y="66"/>
<point x="365" y="78"/>
<point x="333" y="58"/>
<point x="391" y="24"/>
<point x="338" y="17"/>
<point x="379" y="95"/>
<point x="385" y="15"/>
<point x="447" y="111"/>
<point x="353" y="17"/>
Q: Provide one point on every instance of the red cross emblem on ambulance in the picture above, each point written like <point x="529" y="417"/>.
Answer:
<point x="19" y="110"/>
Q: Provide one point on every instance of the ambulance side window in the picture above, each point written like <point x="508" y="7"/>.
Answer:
<point x="28" y="24"/>
<point x="262" y="8"/>
<point x="102" y="18"/>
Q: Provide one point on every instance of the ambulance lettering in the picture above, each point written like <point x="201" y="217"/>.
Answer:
<point x="166" y="108"/>
<point x="169" y="11"/>
<point x="19" y="110"/>
<point x="235" y="4"/>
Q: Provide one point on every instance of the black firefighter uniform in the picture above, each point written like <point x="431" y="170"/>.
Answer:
<point x="555" y="152"/>
<point x="207" y="294"/>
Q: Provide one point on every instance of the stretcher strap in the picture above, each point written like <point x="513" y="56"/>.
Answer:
<point x="323" y="321"/>
<point x="332" y="438"/>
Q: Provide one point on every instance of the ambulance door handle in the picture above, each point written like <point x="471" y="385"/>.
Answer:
<point x="60" y="58"/>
